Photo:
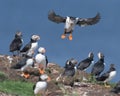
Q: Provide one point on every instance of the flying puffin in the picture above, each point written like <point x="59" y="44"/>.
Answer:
<point x="41" y="59"/>
<point x="17" y="43"/>
<point x="116" y="89"/>
<point x="70" y="22"/>
<point x="40" y="87"/>
<point x="106" y="77"/>
<point x="98" y="67"/>
<point x="30" y="48"/>
<point x="25" y="62"/>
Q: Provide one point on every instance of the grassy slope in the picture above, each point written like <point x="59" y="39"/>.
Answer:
<point x="16" y="88"/>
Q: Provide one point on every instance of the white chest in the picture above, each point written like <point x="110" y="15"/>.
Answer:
<point x="69" y="24"/>
<point x="40" y="58"/>
<point x="34" y="46"/>
<point x="40" y="87"/>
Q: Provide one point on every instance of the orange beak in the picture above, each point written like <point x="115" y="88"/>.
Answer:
<point x="26" y="75"/>
<point x="42" y="71"/>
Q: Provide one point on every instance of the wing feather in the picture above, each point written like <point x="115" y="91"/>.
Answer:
<point x="89" y="21"/>
<point x="56" y="18"/>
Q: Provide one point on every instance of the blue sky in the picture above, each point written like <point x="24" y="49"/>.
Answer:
<point x="30" y="17"/>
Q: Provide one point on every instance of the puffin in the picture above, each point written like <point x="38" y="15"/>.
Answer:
<point x="31" y="47"/>
<point x="116" y="88"/>
<point x="25" y="62"/>
<point x="41" y="59"/>
<point x="71" y="21"/>
<point x="16" y="43"/>
<point x="40" y="87"/>
<point x="70" y="63"/>
<point x="84" y="64"/>
<point x="70" y="69"/>
<point x="99" y="66"/>
<point x="107" y="76"/>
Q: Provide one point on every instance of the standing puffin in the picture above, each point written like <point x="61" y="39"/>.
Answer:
<point x="30" y="48"/>
<point x="84" y="64"/>
<point x="70" y="63"/>
<point x="116" y="89"/>
<point x="70" y="69"/>
<point x="40" y="58"/>
<point x="40" y="87"/>
<point x="17" y="43"/>
<point x="109" y="75"/>
<point x="70" y="22"/>
<point x="98" y="67"/>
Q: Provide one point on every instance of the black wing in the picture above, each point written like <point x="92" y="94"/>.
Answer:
<point x="89" y="21"/>
<point x="97" y="69"/>
<point x="15" y="45"/>
<point x="103" y="77"/>
<point x="26" y="48"/>
<point x="84" y="64"/>
<point x="56" y="18"/>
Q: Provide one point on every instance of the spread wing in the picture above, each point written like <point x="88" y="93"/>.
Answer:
<point x="56" y="18"/>
<point x="89" y="21"/>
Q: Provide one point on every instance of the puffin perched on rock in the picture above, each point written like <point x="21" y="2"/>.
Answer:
<point x="41" y="59"/>
<point x="84" y="64"/>
<point x="99" y="66"/>
<point x="16" y="43"/>
<point x="71" y="21"/>
<point x="70" y="67"/>
<point x="31" y="47"/>
<point x="69" y="72"/>
<point x="109" y="75"/>
<point x="40" y="87"/>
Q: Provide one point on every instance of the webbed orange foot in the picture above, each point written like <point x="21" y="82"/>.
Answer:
<point x="70" y="37"/>
<point x="63" y="36"/>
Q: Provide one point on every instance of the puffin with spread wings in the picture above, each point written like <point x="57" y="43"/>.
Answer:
<point x="70" y="22"/>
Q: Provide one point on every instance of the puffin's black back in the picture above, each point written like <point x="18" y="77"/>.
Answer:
<point x="16" y="44"/>
<point x="69" y="72"/>
<point x="84" y="64"/>
<point x="26" y="47"/>
<point x="98" y="67"/>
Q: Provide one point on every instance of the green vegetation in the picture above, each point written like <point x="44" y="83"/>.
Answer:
<point x="17" y="88"/>
<point x="2" y="76"/>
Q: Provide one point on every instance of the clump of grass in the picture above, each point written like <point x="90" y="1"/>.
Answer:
<point x="17" y="88"/>
<point x="3" y="76"/>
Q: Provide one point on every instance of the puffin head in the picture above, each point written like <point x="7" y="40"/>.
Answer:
<point x="71" y="63"/>
<point x="91" y="55"/>
<point x="35" y="37"/>
<point x="18" y="34"/>
<point x="41" y="50"/>
<point x="100" y="55"/>
<point x="44" y="77"/>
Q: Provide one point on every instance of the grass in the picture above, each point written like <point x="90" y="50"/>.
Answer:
<point x="2" y="76"/>
<point x="17" y="88"/>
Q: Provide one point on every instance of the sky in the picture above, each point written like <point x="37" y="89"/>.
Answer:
<point x="31" y="17"/>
